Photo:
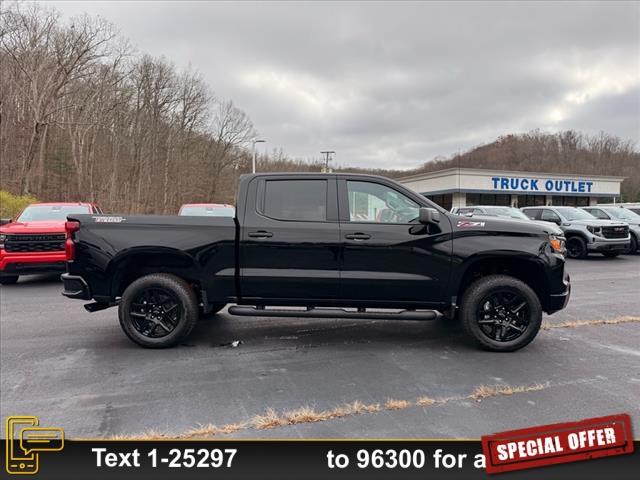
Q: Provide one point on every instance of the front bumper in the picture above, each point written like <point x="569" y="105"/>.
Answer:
<point x="557" y="301"/>
<point x="608" y="245"/>
<point x="75" y="287"/>
<point x="31" y="263"/>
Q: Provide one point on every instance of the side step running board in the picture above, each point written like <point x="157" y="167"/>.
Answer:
<point x="333" y="313"/>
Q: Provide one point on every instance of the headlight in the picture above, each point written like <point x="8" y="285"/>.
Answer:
<point x="595" y="230"/>
<point x="557" y="243"/>
<point x="2" y="238"/>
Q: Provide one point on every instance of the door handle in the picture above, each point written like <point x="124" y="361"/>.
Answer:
<point x="358" y="236"/>
<point x="260" y="234"/>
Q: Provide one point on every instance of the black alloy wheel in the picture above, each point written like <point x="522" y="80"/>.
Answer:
<point x="503" y="315"/>
<point x="155" y="312"/>
<point x="158" y="310"/>
<point x="576" y="248"/>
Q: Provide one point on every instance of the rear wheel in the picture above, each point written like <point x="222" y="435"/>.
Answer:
<point x="158" y="310"/>
<point x="8" y="279"/>
<point x="501" y="313"/>
<point x="610" y="254"/>
<point x="577" y="247"/>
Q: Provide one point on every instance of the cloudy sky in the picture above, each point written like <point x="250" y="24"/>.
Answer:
<point x="395" y="84"/>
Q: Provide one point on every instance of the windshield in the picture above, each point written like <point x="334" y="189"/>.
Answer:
<point x="572" y="213"/>
<point x="506" y="212"/>
<point x="207" y="211"/>
<point x="34" y="213"/>
<point x="623" y="214"/>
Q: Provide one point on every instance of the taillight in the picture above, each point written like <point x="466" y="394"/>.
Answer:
<point x="71" y="227"/>
<point x="70" y="247"/>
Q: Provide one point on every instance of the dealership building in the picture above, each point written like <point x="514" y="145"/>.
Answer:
<point x="459" y="187"/>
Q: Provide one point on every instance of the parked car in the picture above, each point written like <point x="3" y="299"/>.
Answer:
<point x="317" y="241"/>
<point x="584" y="232"/>
<point x="497" y="211"/>
<point x="634" y="207"/>
<point x="34" y="241"/>
<point x="207" y="210"/>
<point x="621" y="214"/>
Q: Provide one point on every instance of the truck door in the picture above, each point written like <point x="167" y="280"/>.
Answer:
<point x="290" y="239"/>
<point x="388" y="256"/>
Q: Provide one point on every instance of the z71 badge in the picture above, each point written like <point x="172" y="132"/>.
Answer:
<point x="109" y="219"/>
<point x="469" y="224"/>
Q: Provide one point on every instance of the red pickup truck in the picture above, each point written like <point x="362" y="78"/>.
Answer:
<point x="34" y="241"/>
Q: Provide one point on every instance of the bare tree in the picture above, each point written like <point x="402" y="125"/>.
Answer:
<point x="49" y="59"/>
<point x="230" y="131"/>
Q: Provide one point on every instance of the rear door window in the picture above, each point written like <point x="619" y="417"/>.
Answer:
<point x="596" y="212"/>
<point x="297" y="200"/>
<point x="532" y="213"/>
<point x="549" y="216"/>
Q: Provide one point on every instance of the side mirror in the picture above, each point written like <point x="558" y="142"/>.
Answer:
<point x="428" y="215"/>
<point x="4" y="221"/>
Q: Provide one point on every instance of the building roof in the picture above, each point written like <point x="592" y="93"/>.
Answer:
<point x="513" y="173"/>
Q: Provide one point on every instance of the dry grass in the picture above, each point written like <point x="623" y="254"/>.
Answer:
<point x="269" y="420"/>
<point x="392" y="404"/>
<point x="585" y="323"/>
<point x="231" y="428"/>
<point x="425" y="401"/>
<point x="486" y="391"/>
<point x="272" y="419"/>
<point x="304" y="415"/>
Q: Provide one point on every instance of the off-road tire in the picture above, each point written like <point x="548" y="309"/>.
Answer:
<point x="483" y="287"/>
<point x="184" y="295"/>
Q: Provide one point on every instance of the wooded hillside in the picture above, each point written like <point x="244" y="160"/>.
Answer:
<point x="83" y="116"/>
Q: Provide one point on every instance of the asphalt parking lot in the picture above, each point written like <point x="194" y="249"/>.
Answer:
<point x="79" y="371"/>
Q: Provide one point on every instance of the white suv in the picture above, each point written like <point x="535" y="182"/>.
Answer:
<point x="584" y="232"/>
<point x="623" y="215"/>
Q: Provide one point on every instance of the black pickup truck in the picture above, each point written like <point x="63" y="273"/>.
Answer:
<point x="333" y="245"/>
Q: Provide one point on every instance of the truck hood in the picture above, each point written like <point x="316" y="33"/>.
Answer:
<point x="506" y="224"/>
<point x="596" y="222"/>
<point x="42" y="226"/>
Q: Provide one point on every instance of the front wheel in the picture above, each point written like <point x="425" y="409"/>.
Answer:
<point x="577" y="247"/>
<point x="501" y="313"/>
<point x="8" y="279"/>
<point x="633" y="246"/>
<point x="158" y="310"/>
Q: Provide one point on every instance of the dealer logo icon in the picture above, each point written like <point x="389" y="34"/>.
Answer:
<point x="25" y="440"/>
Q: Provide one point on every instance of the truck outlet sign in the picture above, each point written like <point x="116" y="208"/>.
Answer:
<point x="541" y="185"/>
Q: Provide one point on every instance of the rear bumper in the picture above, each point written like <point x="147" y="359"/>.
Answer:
<point x="75" y="287"/>
<point x="31" y="263"/>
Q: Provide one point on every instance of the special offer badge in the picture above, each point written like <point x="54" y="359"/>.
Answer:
<point x="558" y="443"/>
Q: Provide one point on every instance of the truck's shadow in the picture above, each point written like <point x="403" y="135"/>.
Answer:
<point x="222" y="330"/>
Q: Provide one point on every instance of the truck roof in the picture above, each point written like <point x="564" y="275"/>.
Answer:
<point x="62" y="203"/>
<point x="206" y="205"/>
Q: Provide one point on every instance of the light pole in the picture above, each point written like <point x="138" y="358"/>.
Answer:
<point x="253" y="163"/>
<point x="327" y="158"/>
